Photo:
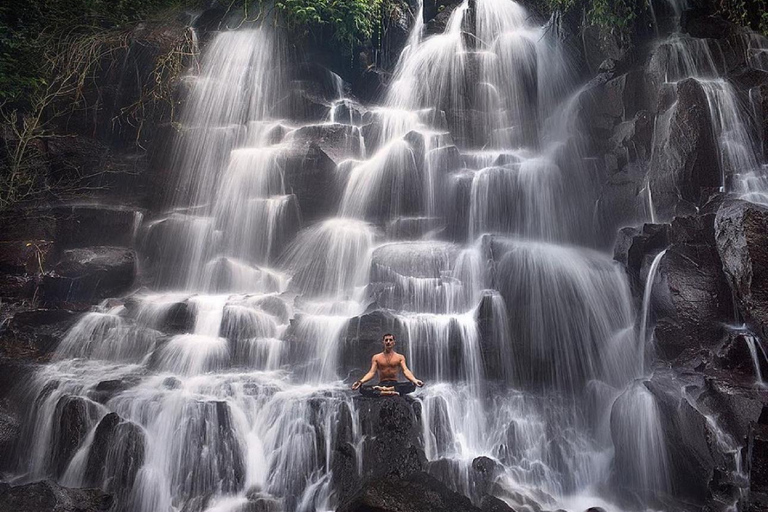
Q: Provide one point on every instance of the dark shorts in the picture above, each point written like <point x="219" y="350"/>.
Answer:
<point x="401" y="387"/>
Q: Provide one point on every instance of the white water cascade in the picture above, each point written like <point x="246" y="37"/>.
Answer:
<point x="460" y="207"/>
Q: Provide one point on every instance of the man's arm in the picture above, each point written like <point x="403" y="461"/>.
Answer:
<point x="408" y="374"/>
<point x="368" y="376"/>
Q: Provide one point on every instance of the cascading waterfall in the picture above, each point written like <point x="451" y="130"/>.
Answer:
<point x="680" y="56"/>
<point x="457" y="207"/>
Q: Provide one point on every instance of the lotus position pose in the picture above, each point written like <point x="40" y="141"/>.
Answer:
<point x="388" y="364"/>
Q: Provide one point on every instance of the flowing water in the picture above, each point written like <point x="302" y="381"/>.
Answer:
<point x="743" y="168"/>
<point x="461" y="205"/>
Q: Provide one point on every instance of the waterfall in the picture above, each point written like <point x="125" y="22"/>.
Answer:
<point x="460" y="206"/>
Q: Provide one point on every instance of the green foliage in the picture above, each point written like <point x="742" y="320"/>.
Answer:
<point x="749" y="13"/>
<point x="347" y="22"/>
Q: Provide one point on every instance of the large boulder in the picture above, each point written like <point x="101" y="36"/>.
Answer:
<point x="116" y="454"/>
<point x="310" y="174"/>
<point x="91" y="274"/>
<point x="73" y="419"/>
<point x="392" y="430"/>
<point x="741" y="231"/>
<point x="47" y="496"/>
<point x="691" y="300"/>
<point x="419" y="492"/>
<point x="685" y="164"/>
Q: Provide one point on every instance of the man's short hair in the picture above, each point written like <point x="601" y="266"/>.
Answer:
<point x="387" y="335"/>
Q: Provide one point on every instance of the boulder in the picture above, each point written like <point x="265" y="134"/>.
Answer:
<point x="302" y="106"/>
<point x="116" y="454"/>
<point x="691" y="457"/>
<point x="371" y="84"/>
<point x="685" y="163"/>
<point x="419" y="492"/>
<point x="73" y="419"/>
<point x="47" y="496"/>
<point x="91" y="274"/>
<point x="363" y="340"/>
<point x="392" y="430"/>
<point x="691" y="299"/>
<point x="310" y="174"/>
<point x="338" y="141"/>
<point x="35" y="334"/>
<point x="741" y="232"/>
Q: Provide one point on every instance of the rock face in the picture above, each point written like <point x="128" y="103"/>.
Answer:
<point x="48" y="496"/>
<point x="419" y="492"/>
<point x="685" y="159"/>
<point x="116" y="455"/>
<point x="35" y="334"/>
<point x="91" y="273"/>
<point x="741" y="231"/>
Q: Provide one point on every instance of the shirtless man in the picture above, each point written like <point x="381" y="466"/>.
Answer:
<point x="388" y="364"/>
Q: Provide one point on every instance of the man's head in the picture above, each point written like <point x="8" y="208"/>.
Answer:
<point x="388" y="340"/>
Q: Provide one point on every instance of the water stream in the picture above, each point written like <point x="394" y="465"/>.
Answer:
<point x="463" y="194"/>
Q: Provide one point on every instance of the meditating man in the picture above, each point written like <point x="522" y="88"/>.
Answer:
<point x="388" y="364"/>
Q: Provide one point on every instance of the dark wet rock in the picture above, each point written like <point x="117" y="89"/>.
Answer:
<point x="741" y="231"/>
<point x="757" y="452"/>
<point x="437" y="13"/>
<point x="691" y="457"/>
<point x="93" y="225"/>
<point x="338" y="141"/>
<point x="491" y="340"/>
<point x="631" y="140"/>
<point x="47" y="496"/>
<point x="90" y="274"/>
<point x="302" y="106"/>
<point x="310" y="174"/>
<point x="735" y="355"/>
<point x="419" y="492"/>
<point x="494" y="504"/>
<point x="371" y="84"/>
<point x="116" y="454"/>
<point x="600" y="47"/>
<point x="633" y="245"/>
<point x="392" y="427"/>
<point x="685" y="164"/>
<point x="690" y="299"/>
<point x="36" y="333"/>
<point x="26" y="224"/>
<point x="350" y="112"/>
<point x="73" y="418"/>
<point x="397" y="20"/>
<point x="10" y="431"/>
<point x="171" y="383"/>
<point x="107" y="389"/>
<point x="317" y="80"/>
<point x="179" y="319"/>
<point x="595" y="509"/>
<point x="261" y="504"/>
<point x="606" y="104"/>
<point x="707" y="27"/>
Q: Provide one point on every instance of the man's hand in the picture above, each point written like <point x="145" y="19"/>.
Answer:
<point x="418" y="382"/>
<point x="357" y="384"/>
